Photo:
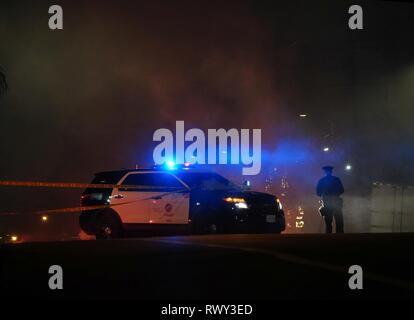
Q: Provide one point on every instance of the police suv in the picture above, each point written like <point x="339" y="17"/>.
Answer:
<point x="174" y="200"/>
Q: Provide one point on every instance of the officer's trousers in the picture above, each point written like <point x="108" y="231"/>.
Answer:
<point x="336" y="214"/>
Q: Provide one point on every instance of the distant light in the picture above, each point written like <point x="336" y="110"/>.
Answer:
<point x="186" y="164"/>
<point x="302" y="115"/>
<point x="45" y="218"/>
<point x="248" y="183"/>
<point x="326" y="149"/>
<point x="14" y="238"/>
<point x="348" y="167"/>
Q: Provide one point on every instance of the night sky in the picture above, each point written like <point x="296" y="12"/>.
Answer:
<point x="88" y="98"/>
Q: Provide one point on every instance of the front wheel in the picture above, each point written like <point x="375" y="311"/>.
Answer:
<point x="108" y="227"/>
<point x="205" y="224"/>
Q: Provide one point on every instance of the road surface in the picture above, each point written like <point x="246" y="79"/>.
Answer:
<point x="248" y="267"/>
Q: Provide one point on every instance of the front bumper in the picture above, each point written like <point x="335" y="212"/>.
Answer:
<point x="258" y="221"/>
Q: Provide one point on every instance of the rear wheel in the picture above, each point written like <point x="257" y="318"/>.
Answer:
<point x="108" y="227"/>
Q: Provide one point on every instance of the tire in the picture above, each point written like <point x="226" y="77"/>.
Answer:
<point x="108" y="227"/>
<point x="204" y="224"/>
<point x="214" y="225"/>
<point x="198" y="224"/>
<point x="213" y="228"/>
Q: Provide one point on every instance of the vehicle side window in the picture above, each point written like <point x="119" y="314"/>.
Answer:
<point x="151" y="182"/>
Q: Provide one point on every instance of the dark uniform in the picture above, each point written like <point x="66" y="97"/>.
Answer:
<point x="329" y="189"/>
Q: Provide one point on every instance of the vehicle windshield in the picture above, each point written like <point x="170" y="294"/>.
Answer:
<point x="206" y="181"/>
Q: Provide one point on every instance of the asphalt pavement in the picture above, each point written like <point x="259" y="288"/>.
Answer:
<point x="216" y="267"/>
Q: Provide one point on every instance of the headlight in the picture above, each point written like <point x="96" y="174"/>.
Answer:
<point x="239" y="203"/>
<point x="279" y="204"/>
<point x="234" y="200"/>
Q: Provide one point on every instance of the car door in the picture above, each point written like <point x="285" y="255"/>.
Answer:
<point x="132" y="201"/>
<point x="171" y="204"/>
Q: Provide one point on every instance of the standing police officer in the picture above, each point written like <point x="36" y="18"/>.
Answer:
<point x="329" y="189"/>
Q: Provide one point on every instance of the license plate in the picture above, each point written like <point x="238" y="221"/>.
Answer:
<point x="270" y="218"/>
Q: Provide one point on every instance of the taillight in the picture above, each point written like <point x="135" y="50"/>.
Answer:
<point x="92" y="198"/>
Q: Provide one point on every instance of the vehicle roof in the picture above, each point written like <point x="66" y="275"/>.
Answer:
<point x="122" y="171"/>
<point x="125" y="171"/>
